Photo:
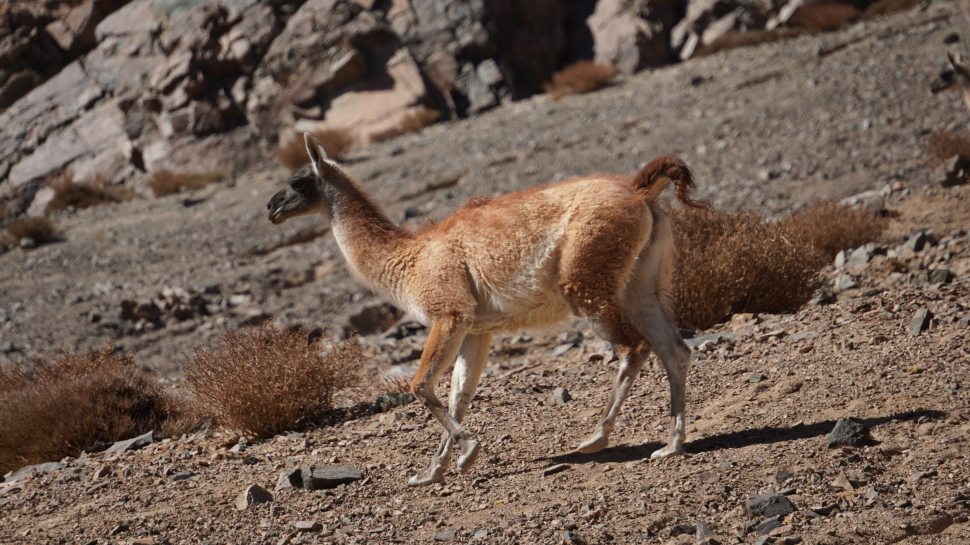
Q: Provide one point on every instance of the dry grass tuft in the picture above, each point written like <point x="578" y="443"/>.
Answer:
<point x="413" y="122"/>
<point x="832" y="227"/>
<point x="264" y="381"/>
<point x="943" y="144"/>
<point x="823" y="17"/>
<point x="293" y="153"/>
<point x="731" y="263"/>
<point x="56" y="408"/>
<point x="77" y="195"/>
<point x="735" y="39"/>
<point x="40" y="229"/>
<point x="580" y="77"/>
<point x="164" y="181"/>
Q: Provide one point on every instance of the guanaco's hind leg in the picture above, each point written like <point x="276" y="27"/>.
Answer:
<point x="464" y="382"/>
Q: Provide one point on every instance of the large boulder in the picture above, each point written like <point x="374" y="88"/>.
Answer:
<point x="633" y="34"/>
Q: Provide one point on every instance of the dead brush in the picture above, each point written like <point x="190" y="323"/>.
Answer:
<point x="414" y="121"/>
<point x="50" y="409"/>
<point x="70" y="194"/>
<point x="41" y="230"/>
<point x="265" y="381"/>
<point x="580" y="77"/>
<point x="832" y="227"/>
<point x="943" y="144"/>
<point x="292" y="153"/>
<point x="823" y="17"/>
<point x="735" y="39"/>
<point x="885" y="7"/>
<point x="165" y="182"/>
<point x="731" y="263"/>
<point x="388" y="384"/>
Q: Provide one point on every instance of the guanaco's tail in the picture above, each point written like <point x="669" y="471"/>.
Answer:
<point x="654" y="178"/>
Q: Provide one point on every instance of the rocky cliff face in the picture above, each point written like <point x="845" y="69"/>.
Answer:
<point x="119" y="89"/>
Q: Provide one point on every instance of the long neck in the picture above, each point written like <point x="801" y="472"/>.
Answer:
<point x="367" y="238"/>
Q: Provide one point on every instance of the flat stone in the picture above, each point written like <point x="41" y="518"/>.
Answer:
<point x="130" y="19"/>
<point x="842" y="482"/>
<point x="559" y="396"/>
<point x="132" y="444"/>
<point x="716" y="338"/>
<point x="558" y="468"/>
<point x="767" y="526"/>
<point x="768" y="505"/>
<point x="939" y="276"/>
<point x="253" y="495"/>
<point x="306" y="526"/>
<point x="703" y="531"/>
<point x="181" y="476"/>
<point x="755" y="378"/>
<point x="572" y="538"/>
<point x="445" y="534"/>
<point x="37" y="468"/>
<point x="316" y="478"/>
<point x="848" y="432"/>
<point x="920" y="322"/>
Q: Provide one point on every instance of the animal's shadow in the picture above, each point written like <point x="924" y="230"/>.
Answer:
<point x="738" y="439"/>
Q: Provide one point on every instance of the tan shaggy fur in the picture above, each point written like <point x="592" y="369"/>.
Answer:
<point x="597" y="247"/>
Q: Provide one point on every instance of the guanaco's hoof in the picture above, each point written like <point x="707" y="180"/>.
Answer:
<point x="426" y="478"/>
<point x="595" y="443"/>
<point x="468" y="457"/>
<point x="667" y="452"/>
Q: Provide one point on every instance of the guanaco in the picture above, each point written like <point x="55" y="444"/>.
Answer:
<point x="598" y="247"/>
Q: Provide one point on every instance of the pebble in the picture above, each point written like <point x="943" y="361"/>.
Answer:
<point x="445" y="534"/>
<point x="848" y="432"/>
<point x="558" y="468"/>
<point x="920" y="322"/>
<point x="306" y="526"/>
<point x="253" y="495"/>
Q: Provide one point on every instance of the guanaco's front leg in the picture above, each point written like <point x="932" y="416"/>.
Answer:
<point x="444" y="341"/>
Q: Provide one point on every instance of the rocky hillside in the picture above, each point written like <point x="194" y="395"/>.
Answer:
<point x="845" y="423"/>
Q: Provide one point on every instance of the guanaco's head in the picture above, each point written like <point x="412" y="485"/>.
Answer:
<point x="305" y="194"/>
<point x="956" y="76"/>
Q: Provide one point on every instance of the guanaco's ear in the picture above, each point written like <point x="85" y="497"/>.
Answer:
<point x="318" y="155"/>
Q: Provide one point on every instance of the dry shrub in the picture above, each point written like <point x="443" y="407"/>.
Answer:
<point x="885" y="7"/>
<point x="580" y="77"/>
<point x="832" y="227"/>
<point x="943" y="144"/>
<point x="293" y="153"/>
<point x="823" y="17"/>
<point x="388" y="384"/>
<point x="56" y="408"/>
<point x="40" y="229"/>
<point x="77" y="195"/>
<point x="265" y="381"/>
<point x="732" y="263"/>
<point x="414" y="121"/>
<point x="164" y="181"/>
<point x="736" y="39"/>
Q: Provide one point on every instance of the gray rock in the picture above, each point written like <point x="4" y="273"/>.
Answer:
<point x="848" y="432"/>
<point x="291" y="478"/>
<point x="789" y="540"/>
<point x="703" y="531"/>
<point x="768" y="505"/>
<point x="388" y="401"/>
<point x="571" y="538"/>
<point x="806" y="334"/>
<point x="939" y="276"/>
<point x="37" y="468"/>
<point x="920" y="322"/>
<point x="445" y="534"/>
<point x="861" y="255"/>
<point x="716" y="338"/>
<point x="253" y="495"/>
<point x="845" y="282"/>
<point x="767" y="526"/>
<point x="181" y="476"/>
<point x="558" y="468"/>
<point x="840" y="259"/>
<point x="306" y="526"/>
<point x="755" y="378"/>
<point x="559" y="396"/>
<point x="132" y="444"/>
<point x="316" y="478"/>
<point x="919" y="240"/>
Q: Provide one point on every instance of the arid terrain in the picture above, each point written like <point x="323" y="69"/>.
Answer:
<point x="772" y="128"/>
